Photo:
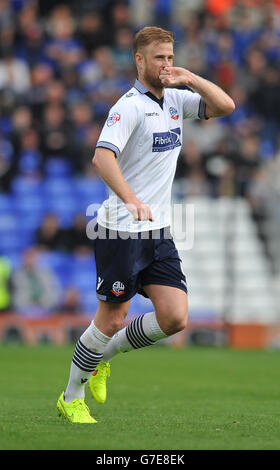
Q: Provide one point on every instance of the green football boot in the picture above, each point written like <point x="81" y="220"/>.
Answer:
<point x="97" y="381"/>
<point x="76" y="411"/>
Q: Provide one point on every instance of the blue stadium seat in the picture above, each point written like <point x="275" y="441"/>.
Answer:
<point x="30" y="204"/>
<point x="8" y="223"/>
<point x="89" y="302"/>
<point x="91" y="191"/>
<point x="59" y="263"/>
<point x="32" y="221"/>
<point x="56" y="187"/>
<point x="12" y="237"/>
<point x="83" y="278"/>
<point x="24" y="186"/>
<point x="84" y="273"/>
<point x="29" y="162"/>
<point x="15" y="242"/>
<point x="65" y="207"/>
<point x="139" y="305"/>
<point x="56" y="167"/>
<point x="15" y="260"/>
<point x="10" y="243"/>
<point x="6" y="204"/>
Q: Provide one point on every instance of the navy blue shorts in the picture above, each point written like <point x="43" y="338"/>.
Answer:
<point x="124" y="265"/>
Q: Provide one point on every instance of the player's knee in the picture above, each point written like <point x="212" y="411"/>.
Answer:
<point x="179" y="322"/>
<point x="117" y="316"/>
<point x="174" y="322"/>
<point x="114" y="326"/>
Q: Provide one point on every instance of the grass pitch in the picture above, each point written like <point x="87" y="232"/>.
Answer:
<point x="158" y="398"/>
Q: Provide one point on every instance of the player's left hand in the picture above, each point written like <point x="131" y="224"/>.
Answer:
<point x="175" y="76"/>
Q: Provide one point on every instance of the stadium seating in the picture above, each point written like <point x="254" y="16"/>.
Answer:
<point x="227" y="270"/>
<point x="56" y="167"/>
<point x="59" y="263"/>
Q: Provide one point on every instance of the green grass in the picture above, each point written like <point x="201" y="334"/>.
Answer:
<point x="159" y="398"/>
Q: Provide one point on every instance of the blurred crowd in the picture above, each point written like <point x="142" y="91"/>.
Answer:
<point x="64" y="64"/>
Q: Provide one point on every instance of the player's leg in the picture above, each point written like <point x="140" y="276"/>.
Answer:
<point x="170" y="316"/>
<point x="164" y="282"/>
<point x="171" y="307"/>
<point x="91" y="345"/>
<point x="87" y="355"/>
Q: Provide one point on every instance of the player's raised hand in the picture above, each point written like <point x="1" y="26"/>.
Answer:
<point x="175" y="76"/>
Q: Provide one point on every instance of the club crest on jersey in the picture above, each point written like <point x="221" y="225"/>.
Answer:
<point x="163" y="141"/>
<point x="118" y="288"/>
<point x="113" y="118"/>
<point x="174" y="113"/>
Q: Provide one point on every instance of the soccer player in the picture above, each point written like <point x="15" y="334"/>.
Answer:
<point x="136" y="156"/>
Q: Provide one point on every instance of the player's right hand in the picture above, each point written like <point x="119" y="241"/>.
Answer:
<point x="139" y="210"/>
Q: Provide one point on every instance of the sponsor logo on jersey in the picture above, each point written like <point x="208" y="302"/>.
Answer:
<point x="151" y="114"/>
<point x="163" y="141"/>
<point x="118" y="288"/>
<point x="113" y="118"/>
<point x="174" y="113"/>
<point x="128" y="95"/>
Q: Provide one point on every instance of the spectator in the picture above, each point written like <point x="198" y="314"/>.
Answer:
<point x="62" y="48"/>
<point x="41" y="75"/>
<point x="35" y="290"/>
<point x="191" y="172"/>
<point x="71" y="302"/>
<point x="7" y="163"/>
<point x="14" y="73"/>
<point x="266" y="102"/>
<point x="82" y="118"/>
<point x="49" y="236"/>
<point x="76" y="237"/>
<point x="29" y="38"/>
<point x="122" y="48"/>
<point x="5" y="284"/>
<point x="56" y="92"/>
<point x="247" y="163"/>
<point x="57" y="135"/>
<point x="22" y="121"/>
<point x="92" y="32"/>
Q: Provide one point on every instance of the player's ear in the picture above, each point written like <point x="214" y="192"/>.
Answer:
<point x="138" y="59"/>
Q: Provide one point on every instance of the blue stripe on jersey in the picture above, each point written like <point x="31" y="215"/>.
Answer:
<point x="110" y="146"/>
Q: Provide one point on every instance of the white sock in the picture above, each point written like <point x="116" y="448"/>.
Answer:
<point x="141" y="332"/>
<point x="88" y="353"/>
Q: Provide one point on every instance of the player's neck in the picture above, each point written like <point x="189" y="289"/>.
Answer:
<point x="157" y="92"/>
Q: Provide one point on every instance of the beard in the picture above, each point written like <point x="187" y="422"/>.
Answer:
<point x="153" y="80"/>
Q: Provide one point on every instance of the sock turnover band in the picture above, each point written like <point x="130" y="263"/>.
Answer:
<point x="84" y="358"/>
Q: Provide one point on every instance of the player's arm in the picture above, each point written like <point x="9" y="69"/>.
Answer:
<point x="108" y="169"/>
<point x="218" y="103"/>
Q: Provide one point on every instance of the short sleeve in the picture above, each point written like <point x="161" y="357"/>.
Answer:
<point x="193" y="105"/>
<point x="120" y="123"/>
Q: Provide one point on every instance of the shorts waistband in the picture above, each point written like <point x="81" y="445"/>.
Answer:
<point x="107" y="234"/>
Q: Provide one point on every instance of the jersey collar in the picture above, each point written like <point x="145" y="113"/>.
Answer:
<point x="144" y="91"/>
<point x="140" y="87"/>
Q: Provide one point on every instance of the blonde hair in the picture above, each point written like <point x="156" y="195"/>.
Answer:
<point x="150" y="34"/>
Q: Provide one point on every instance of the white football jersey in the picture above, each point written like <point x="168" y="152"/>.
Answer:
<point x="145" y="134"/>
